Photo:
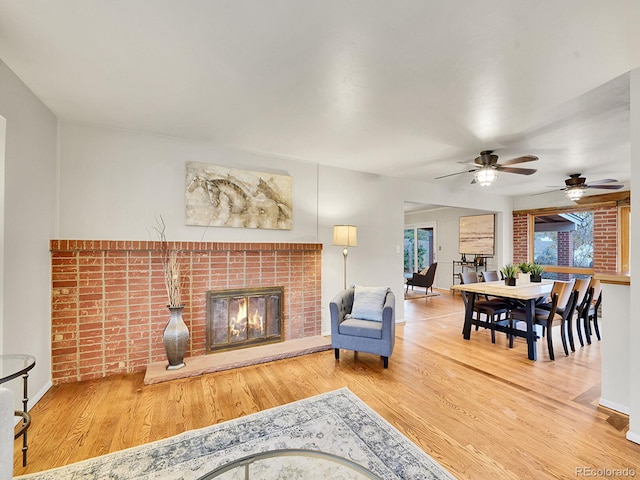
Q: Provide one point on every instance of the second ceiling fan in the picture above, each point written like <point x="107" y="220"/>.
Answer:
<point x="576" y="185"/>
<point x="486" y="167"/>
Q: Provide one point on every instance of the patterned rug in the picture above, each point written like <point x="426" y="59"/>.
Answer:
<point x="336" y="422"/>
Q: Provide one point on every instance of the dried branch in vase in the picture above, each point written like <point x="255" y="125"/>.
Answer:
<point x="170" y="267"/>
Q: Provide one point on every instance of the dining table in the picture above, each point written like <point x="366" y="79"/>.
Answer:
<point x="524" y="292"/>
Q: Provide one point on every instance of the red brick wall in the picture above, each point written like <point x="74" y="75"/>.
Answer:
<point x="605" y="240"/>
<point x="108" y="298"/>
<point x="565" y="248"/>
<point x="520" y="239"/>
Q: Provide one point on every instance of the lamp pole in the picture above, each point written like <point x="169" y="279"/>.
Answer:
<point x="345" y="252"/>
<point x="345" y="236"/>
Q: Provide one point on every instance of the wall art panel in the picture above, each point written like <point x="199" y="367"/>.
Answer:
<point x="232" y="197"/>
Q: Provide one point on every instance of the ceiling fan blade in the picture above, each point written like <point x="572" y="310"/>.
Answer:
<point x="542" y="193"/>
<point x="519" y="171"/>
<point x="457" y="173"/>
<point x="524" y="158"/>
<point x="606" y="180"/>
<point x="604" y="187"/>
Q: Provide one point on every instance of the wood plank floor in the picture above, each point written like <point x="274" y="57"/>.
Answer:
<point x="481" y="410"/>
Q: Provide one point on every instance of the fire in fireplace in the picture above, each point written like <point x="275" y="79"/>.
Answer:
<point x="245" y="317"/>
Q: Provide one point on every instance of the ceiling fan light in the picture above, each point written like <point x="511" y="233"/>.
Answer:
<point x="575" y="193"/>
<point x="485" y="176"/>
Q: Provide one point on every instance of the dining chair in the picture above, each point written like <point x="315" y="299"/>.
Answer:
<point x="562" y="304"/>
<point x="492" y="309"/>
<point x="591" y="310"/>
<point x="557" y="288"/>
<point x="582" y="286"/>
<point x="469" y="277"/>
<point x="491" y="276"/>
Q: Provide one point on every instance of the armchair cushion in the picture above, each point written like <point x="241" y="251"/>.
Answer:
<point x="361" y="328"/>
<point x="368" y="303"/>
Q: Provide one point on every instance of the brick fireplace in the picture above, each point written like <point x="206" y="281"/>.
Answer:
<point x="109" y="304"/>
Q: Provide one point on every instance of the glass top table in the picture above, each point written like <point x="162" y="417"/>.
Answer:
<point x="14" y="366"/>
<point x="290" y="463"/>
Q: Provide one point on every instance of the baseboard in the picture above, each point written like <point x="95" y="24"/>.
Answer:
<point x="634" y="437"/>
<point x="614" y="406"/>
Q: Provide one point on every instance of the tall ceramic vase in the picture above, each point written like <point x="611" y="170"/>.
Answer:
<point x="176" y="339"/>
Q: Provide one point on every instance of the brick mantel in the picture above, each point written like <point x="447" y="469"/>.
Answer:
<point x="109" y="303"/>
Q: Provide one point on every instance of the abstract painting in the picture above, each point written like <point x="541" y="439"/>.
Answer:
<point x="232" y="197"/>
<point x="477" y="235"/>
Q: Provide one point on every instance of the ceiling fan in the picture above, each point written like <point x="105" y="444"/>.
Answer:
<point x="486" y="167"/>
<point x="576" y="185"/>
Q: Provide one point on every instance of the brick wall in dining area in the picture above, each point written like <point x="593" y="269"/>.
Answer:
<point x="605" y="239"/>
<point x="109" y="301"/>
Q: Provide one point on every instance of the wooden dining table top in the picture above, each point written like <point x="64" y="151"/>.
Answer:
<point x="523" y="290"/>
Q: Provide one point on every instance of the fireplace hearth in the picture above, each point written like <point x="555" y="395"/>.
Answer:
<point x="240" y="318"/>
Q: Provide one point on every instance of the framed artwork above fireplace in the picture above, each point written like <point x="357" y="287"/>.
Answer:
<point x="232" y="197"/>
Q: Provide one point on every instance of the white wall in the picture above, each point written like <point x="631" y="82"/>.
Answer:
<point x="29" y="221"/>
<point x="3" y="129"/>
<point x="113" y="183"/>
<point x="634" y="289"/>
<point x="372" y="203"/>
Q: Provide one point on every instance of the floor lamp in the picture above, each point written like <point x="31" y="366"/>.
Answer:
<point x="345" y="236"/>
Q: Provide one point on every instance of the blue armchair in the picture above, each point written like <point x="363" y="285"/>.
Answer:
<point x="362" y="335"/>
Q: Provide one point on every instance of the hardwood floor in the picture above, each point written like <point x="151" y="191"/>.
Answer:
<point x="481" y="410"/>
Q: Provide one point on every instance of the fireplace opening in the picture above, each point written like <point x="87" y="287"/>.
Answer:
<point x="244" y="317"/>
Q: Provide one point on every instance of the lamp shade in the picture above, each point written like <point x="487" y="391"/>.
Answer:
<point x="345" y="235"/>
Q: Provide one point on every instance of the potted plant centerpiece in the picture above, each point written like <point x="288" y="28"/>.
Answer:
<point x="510" y="272"/>
<point x="535" y="272"/>
<point x="524" y="267"/>
<point x="176" y="334"/>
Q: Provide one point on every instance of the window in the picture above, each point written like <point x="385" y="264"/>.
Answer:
<point x="564" y="239"/>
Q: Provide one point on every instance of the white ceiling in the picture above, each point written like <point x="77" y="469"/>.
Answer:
<point x="405" y="88"/>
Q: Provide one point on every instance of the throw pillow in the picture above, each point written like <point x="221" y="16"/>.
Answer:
<point x="368" y="303"/>
<point x="424" y="272"/>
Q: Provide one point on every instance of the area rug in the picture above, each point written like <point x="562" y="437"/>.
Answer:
<point x="336" y="422"/>
<point x="411" y="295"/>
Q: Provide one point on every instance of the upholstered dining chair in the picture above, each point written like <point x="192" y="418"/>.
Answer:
<point x="492" y="309"/>
<point x="562" y="304"/>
